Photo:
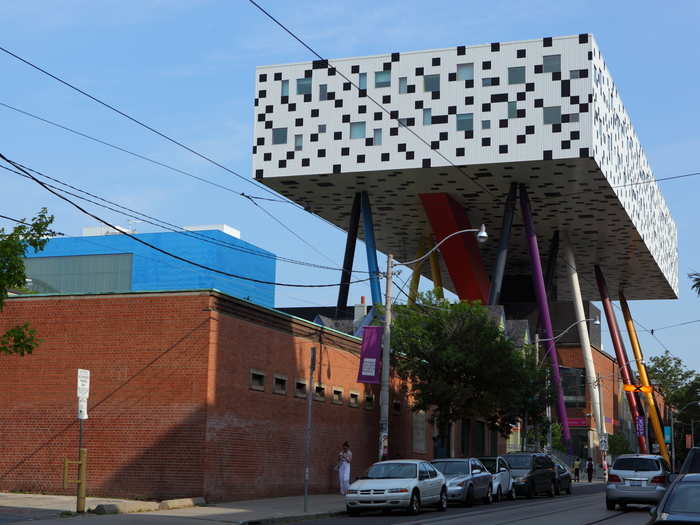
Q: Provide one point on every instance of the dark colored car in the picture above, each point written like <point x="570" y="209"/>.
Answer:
<point x="681" y="503"/>
<point x="533" y="473"/>
<point x="691" y="465"/>
<point x="564" y="478"/>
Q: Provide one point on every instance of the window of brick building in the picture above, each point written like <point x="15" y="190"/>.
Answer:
<point x="337" y="395"/>
<point x="279" y="385"/>
<point x="354" y="400"/>
<point x="300" y="388"/>
<point x="320" y="393"/>
<point x="257" y="380"/>
<point x="369" y="401"/>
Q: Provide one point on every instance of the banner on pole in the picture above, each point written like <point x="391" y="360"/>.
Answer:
<point x="641" y="426"/>
<point x="371" y="355"/>
<point x="667" y="434"/>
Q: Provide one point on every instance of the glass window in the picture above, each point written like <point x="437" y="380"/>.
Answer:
<point x="300" y="388"/>
<point x="303" y="86"/>
<point x="424" y="474"/>
<point x="357" y="130"/>
<point x="298" y="142"/>
<point x="519" y="461"/>
<point x="391" y="471"/>
<point x="354" y="399"/>
<point x="465" y="71"/>
<point x="488" y="82"/>
<point x="574" y="386"/>
<point x="552" y="115"/>
<point x="403" y="122"/>
<point x="683" y="499"/>
<point x="403" y="85"/>
<point x="465" y="121"/>
<point x="280" y="385"/>
<point x="285" y="88"/>
<point x="382" y="79"/>
<point x="485" y="124"/>
<point x="552" y="63"/>
<point x="490" y="464"/>
<point x="427" y="117"/>
<point x="279" y="135"/>
<point x="516" y="75"/>
<point x="573" y="117"/>
<point x="451" y="467"/>
<point x="431" y="82"/>
<point x="512" y="109"/>
<point x="257" y="380"/>
<point x="377" y="137"/>
<point x="323" y="92"/>
<point x="321" y="128"/>
<point x="363" y="81"/>
<point x="431" y="470"/>
<point x="636" y="464"/>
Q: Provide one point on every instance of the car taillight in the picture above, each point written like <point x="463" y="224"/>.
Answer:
<point x="613" y="478"/>
<point x="658" y="479"/>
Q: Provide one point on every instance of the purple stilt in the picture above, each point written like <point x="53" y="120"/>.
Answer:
<point x="543" y="305"/>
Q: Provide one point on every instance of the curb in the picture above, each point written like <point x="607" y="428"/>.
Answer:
<point x="287" y="519"/>
<point x="181" y="503"/>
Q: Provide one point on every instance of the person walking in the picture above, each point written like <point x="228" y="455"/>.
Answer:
<point x="344" y="460"/>
<point x="589" y="469"/>
<point x="577" y="469"/>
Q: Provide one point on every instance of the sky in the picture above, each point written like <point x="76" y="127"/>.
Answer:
<point x="187" y="67"/>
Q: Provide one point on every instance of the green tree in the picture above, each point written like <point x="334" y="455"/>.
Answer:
<point x="670" y="376"/>
<point x="20" y="339"/>
<point x="618" y="444"/>
<point x="458" y="361"/>
<point x="695" y="277"/>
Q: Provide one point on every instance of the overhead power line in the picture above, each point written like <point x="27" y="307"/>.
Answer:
<point x="156" y="248"/>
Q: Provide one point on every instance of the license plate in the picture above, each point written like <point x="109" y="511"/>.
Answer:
<point x="635" y="483"/>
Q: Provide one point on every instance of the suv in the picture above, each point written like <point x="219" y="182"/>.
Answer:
<point x="533" y="473"/>
<point x="636" y="478"/>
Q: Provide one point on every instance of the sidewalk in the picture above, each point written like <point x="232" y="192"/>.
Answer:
<point x="24" y="507"/>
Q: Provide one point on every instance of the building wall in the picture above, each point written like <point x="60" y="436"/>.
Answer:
<point x="153" y="271"/>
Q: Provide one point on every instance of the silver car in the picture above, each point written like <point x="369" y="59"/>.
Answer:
<point x="637" y="478"/>
<point x="467" y="480"/>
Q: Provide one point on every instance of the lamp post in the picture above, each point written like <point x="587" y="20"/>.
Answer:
<point x="481" y="236"/>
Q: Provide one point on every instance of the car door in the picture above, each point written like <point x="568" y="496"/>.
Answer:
<point x="479" y="478"/>
<point x="425" y="484"/>
<point x="436" y="481"/>
<point x="540" y="474"/>
<point x="503" y="475"/>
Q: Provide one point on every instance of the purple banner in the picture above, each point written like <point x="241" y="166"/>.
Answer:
<point x="371" y="355"/>
<point x="641" y="426"/>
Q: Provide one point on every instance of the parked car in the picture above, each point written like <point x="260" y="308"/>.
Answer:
<point x="636" y="478"/>
<point x="467" y="480"/>
<point x="501" y="477"/>
<point x="691" y="465"/>
<point x="564" y="477"/>
<point x="533" y="473"/>
<point x="681" y="503"/>
<point x="407" y="484"/>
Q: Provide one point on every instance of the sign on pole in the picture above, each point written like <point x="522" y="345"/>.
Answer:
<point x="604" y="442"/>
<point x="83" y="392"/>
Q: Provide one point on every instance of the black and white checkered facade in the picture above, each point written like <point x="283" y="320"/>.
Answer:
<point x="542" y="112"/>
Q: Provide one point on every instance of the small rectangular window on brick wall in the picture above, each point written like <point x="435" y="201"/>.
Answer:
<point x="369" y="401"/>
<point x="337" y="395"/>
<point x="354" y="399"/>
<point x="320" y="393"/>
<point x="280" y="385"/>
<point x="300" y="388"/>
<point x="257" y="380"/>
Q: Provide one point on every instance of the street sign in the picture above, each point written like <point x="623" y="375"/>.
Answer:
<point x="83" y="383"/>
<point x="82" y="408"/>
<point x="667" y="434"/>
<point x="638" y="388"/>
<point x="604" y="442"/>
<point x="655" y="448"/>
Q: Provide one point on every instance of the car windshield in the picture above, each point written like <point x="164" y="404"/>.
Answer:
<point x="684" y="499"/>
<point x="391" y="471"/>
<point x="451" y="468"/>
<point x="519" y="462"/>
<point x="489" y="463"/>
<point x="637" y="464"/>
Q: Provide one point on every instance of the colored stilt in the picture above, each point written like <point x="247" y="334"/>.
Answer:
<point x="436" y="274"/>
<point x="620" y="353"/>
<point x="543" y="305"/>
<point x="460" y="253"/>
<point x="372" y="264"/>
<point x="502" y="255"/>
<point x="350" y="243"/>
<point x="641" y="367"/>
<point x="550" y="275"/>
<point x="415" y="276"/>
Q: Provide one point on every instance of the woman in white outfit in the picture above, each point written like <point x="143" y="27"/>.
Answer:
<point x="344" y="460"/>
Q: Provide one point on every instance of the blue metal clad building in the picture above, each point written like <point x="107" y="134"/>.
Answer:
<point x="117" y="263"/>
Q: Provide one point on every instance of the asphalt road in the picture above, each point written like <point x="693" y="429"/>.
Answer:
<point x="585" y="506"/>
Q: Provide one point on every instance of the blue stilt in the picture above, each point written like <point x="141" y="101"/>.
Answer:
<point x="373" y="266"/>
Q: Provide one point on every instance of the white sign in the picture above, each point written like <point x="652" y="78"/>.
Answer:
<point x="83" y="383"/>
<point x="369" y="366"/>
<point x="604" y="442"/>
<point x="82" y="408"/>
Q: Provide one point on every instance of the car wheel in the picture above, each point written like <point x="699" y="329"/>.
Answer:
<point x="530" y="490"/>
<point x="351" y="511"/>
<point x="610" y="505"/>
<point x="469" y="497"/>
<point x="498" y="496"/>
<point x="489" y="496"/>
<point x="552" y="490"/>
<point x="512" y="493"/>
<point x="414" y="504"/>
<point x="442" y="504"/>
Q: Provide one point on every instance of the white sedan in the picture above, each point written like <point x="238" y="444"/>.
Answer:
<point x="407" y="484"/>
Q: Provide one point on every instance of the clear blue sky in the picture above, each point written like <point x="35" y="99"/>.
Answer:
<point x="187" y="67"/>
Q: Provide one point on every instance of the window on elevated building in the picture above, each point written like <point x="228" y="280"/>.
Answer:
<point x="465" y="71"/>
<point x="551" y="63"/>
<point x="431" y="83"/>
<point x="382" y="79"/>
<point x="303" y="86"/>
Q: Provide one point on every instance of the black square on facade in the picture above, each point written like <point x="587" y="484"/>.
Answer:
<point x="269" y="109"/>
<point x="336" y="168"/>
<point x="520" y="53"/>
<point x="575" y="135"/>
<point x="503" y="148"/>
<point x="486" y="64"/>
<point x="539" y="68"/>
<point x="258" y="174"/>
<point x="503" y="123"/>
<point x="369" y="141"/>
<point x="394" y="114"/>
<point x="495" y="46"/>
<point x="345" y="119"/>
<point x="439" y="119"/>
<point x="314" y="113"/>
<point x="583" y="38"/>
<point x="419" y="104"/>
<point x="495" y="81"/>
<point x="574" y="100"/>
<point x="345" y="152"/>
<point x="547" y="154"/>
<point x="299" y="122"/>
<point x="565" y="144"/>
<point x="583" y="108"/>
<point x="452" y="77"/>
<point x="292" y="106"/>
<point x="307" y="97"/>
<point x="547" y="41"/>
<point x="539" y="102"/>
<point x="261" y="117"/>
<point x="410" y="121"/>
<point x="290" y="155"/>
<point x="385" y="157"/>
<point x="360" y="159"/>
<point x="520" y="139"/>
<point x="590" y="98"/>
<point x="452" y="110"/>
<point x="331" y="71"/>
<point x="284" y="100"/>
<point x="282" y="164"/>
<point x="469" y="134"/>
<point x="529" y="130"/>
<point x="395" y="57"/>
<point x="436" y="61"/>
<point x="556" y="75"/>
<point x="308" y="73"/>
<point x="530" y="86"/>
<point x="321" y="153"/>
<point x="313" y="137"/>
<point x="330" y="95"/>
<point x="435" y="95"/>
<point x="410" y="155"/>
<point x="378" y="115"/>
<point x="362" y="93"/>
<point x="337" y="135"/>
<point x="520" y="96"/>
<point x="582" y="73"/>
<point x="565" y="117"/>
<point x="469" y="84"/>
<point x="393" y="131"/>
<point x="260" y="141"/>
<point x="262" y="93"/>
<point x="255" y="150"/>
<point x="338" y="103"/>
<point x="262" y="77"/>
<point x="278" y="76"/>
<point x="435" y="144"/>
<point x="583" y="152"/>
<point x="386" y="66"/>
<point x="402" y="147"/>
<point x="461" y="50"/>
<point x="305" y="162"/>
<point x="459" y="152"/>
<point x="268" y="124"/>
<point x="319" y="64"/>
<point x="426" y="163"/>
<point x="411" y="88"/>
<point x="386" y="99"/>
<point x="255" y="102"/>
<point x="499" y="97"/>
<point x="267" y="157"/>
<point x="468" y="101"/>
<point x="354" y="69"/>
<point x="590" y="55"/>
<point x="419" y="71"/>
<point x="486" y="141"/>
<point x="347" y="86"/>
<point x="443" y="135"/>
<point x="556" y="128"/>
<point x="520" y="113"/>
<point x="486" y="107"/>
<point x="362" y="109"/>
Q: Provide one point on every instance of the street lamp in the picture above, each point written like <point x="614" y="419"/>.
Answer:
<point x="481" y="236"/>
<point x="595" y="320"/>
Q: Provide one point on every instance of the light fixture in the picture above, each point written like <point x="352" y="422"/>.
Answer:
<point x="482" y="236"/>
<point x="596" y="321"/>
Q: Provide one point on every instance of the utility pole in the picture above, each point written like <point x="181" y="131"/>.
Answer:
<point x="307" y="432"/>
<point x="673" y="443"/>
<point x="386" y="362"/>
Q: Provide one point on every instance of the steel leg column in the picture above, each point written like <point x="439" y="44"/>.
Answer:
<point x="372" y="264"/>
<point x="641" y="367"/>
<point x="543" y="305"/>
<point x="350" y="243"/>
<point x="502" y="256"/>
<point x="620" y="352"/>
<point x="436" y="274"/>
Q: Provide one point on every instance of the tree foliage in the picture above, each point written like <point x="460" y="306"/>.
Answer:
<point x="670" y="376"/>
<point x="20" y="339"/>
<point x="618" y="444"/>
<point x="458" y="361"/>
<point x="695" y="277"/>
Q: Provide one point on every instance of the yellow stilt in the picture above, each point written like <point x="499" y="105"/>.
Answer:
<point x="415" y="276"/>
<point x="436" y="273"/>
<point x="653" y="414"/>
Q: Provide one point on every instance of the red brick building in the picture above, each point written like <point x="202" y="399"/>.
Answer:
<point x="192" y="393"/>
